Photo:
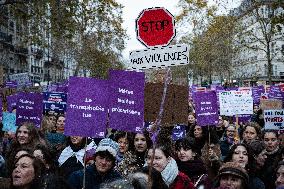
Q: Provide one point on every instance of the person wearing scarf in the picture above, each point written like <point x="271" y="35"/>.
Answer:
<point x="269" y="158"/>
<point x="160" y="159"/>
<point x="72" y="157"/>
<point x="190" y="163"/>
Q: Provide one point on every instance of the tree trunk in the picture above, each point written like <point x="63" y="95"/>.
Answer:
<point x="269" y="65"/>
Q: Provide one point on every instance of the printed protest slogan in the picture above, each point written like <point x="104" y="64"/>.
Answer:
<point x="175" y="107"/>
<point x="9" y="122"/>
<point x="29" y="108"/>
<point x="235" y="103"/>
<point x="276" y="93"/>
<point x="12" y="102"/>
<point x="126" y="111"/>
<point x="274" y="119"/>
<point x="11" y="84"/>
<point x="54" y="102"/>
<point x="256" y="93"/>
<point x="206" y="108"/>
<point x="87" y="107"/>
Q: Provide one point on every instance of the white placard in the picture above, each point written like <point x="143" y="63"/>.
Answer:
<point x="235" y="103"/>
<point x="159" y="57"/>
<point x="274" y="119"/>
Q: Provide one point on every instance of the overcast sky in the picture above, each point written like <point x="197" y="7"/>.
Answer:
<point x="132" y="8"/>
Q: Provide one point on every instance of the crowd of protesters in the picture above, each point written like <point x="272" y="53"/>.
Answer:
<point x="228" y="155"/>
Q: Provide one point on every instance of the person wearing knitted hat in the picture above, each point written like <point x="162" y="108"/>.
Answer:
<point x="103" y="169"/>
<point x="232" y="176"/>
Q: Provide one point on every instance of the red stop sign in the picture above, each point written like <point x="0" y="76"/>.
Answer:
<point x="155" y="26"/>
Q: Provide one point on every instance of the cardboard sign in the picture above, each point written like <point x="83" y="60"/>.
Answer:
<point x="206" y="108"/>
<point x="235" y="103"/>
<point x="29" y="108"/>
<point x="175" y="107"/>
<point x="87" y="107"/>
<point x="274" y="119"/>
<point x="270" y="104"/>
<point x="126" y="110"/>
<point x="159" y="57"/>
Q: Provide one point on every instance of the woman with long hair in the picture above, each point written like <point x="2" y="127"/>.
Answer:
<point x="190" y="163"/>
<point x="243" y="156"/>
<point x="160" y="158"/>
<point x="26" y="137"/>
<point x="133" y="160"/>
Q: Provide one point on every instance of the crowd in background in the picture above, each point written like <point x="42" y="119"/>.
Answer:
<point x="229" y="155"/>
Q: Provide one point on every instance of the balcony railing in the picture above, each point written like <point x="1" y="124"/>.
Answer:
<point x="21" y="50"/>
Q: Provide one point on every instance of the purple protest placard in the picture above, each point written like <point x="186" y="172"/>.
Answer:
<point x="87" y="104"/>
<point x="29" y="108"/>
<point x="256" y="93"/>
<point x="52" y="88"/>
<point x="231" y="88"/>
<point x="63" y="87"/>
<point x="12" y="102"/>
<point x="206" y="108"/>
<point x="126" y="100"/>
<point x="243" y="118"/>
<point x="11" y="84"/>
<point x="276" y="93"/>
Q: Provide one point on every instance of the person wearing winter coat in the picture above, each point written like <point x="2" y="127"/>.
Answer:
<point x="160" y="158"/>
<point x="72" y="157"/>
<point x="232" y="176"/>
<point x="101" y="171"/>
<point x="189" y="162"/>
<point x="268" y="159"/>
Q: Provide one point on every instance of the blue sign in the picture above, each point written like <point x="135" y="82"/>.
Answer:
<point x="9" y="122"/>
<point x="55" y="102"/>
<point x="178" y="132"/>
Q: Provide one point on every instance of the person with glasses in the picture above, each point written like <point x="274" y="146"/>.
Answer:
<point x="229" y="138"/>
